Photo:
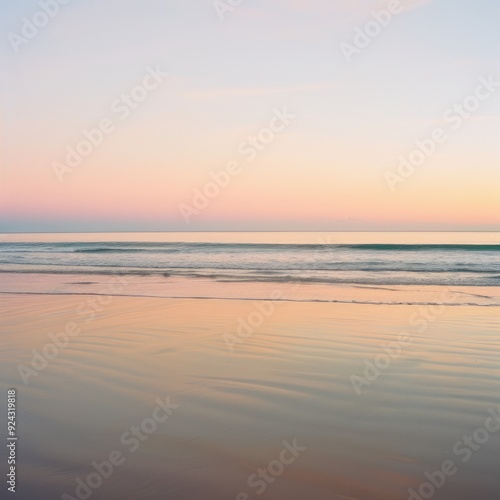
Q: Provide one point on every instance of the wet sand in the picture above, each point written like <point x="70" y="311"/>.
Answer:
<point x="308" y="397"/>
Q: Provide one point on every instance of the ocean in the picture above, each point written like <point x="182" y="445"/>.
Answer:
<point x="208" y="263"/>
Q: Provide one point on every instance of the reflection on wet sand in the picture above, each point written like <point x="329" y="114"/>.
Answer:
<point x="290" y="379"/>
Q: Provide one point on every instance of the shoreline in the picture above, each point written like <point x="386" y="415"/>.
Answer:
<point x="209" y="289"/>
<point x="236" y="299"/>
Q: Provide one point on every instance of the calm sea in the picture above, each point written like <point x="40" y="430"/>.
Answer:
<point x="206" y="264"/>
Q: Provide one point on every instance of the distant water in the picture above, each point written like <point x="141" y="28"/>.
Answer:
<point x="444" y="259"/>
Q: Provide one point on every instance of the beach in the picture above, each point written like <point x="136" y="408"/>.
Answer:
<point x="368" y="398"/>
<point x="250" y="250"/>
<point x="358" y="366"/>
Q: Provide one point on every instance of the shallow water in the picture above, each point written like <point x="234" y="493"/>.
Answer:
<point x="242" y="391"/>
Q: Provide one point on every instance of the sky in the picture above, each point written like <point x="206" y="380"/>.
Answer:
<point x="163" y="115"/>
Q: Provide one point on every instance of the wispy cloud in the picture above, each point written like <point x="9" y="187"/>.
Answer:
<point x="227" y="92"/>
<point x="356" y="7"/>
<point x="415" y="4"/>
